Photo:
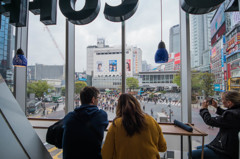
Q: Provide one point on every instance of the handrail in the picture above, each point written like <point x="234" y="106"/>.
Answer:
<point x="43" y="119"/>
<point x="110" y="121"/>
<point x="239" y="144"/>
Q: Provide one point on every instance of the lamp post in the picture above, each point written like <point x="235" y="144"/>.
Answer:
<point x="170" y="110"/>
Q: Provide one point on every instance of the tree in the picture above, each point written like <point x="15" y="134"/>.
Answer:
<point x="132" y="83"/>
<point x="38" y="88"/>
<point x="206" y="84"/>
<point x="194" y="81"/>
<point x="63" y="91"/>
<point x="200" y="82"/>
<point x="79" y="85"/>
<point x="177" y="79"/>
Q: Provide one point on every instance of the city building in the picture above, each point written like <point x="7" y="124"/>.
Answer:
<point x="158" y="81"/>
<point x="218" y="30"/>
<point x="104" y="64"/>
<point x="41" y="72"/>
<point x="145" y="66"/>
<point x="200" y="41"/>
<point x="7" y="41"/>
<point x="174" y="39"/>
<point x="53" y="74"/>
<point x="232" y="59"/>
<point x="173" y="63"/>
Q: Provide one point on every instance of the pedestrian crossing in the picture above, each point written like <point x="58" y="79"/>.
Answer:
<point x="178" y="104"/>
<point x="55" y="152"/>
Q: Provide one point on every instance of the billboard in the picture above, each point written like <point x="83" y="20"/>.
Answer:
<point x="235" y="18"/>
<point x="99" y="66"/>
<point x="218" y="27"/>
<point x="128" y="65"/>
<point x="177" y="58"/>
<point x="218" y="20"/>
<point x="112" y="65"/>
<point x="217" y="87"/>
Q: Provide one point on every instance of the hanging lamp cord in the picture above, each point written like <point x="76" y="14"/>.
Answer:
<point x="161" y="19"/>
<point x="21" y="39"/>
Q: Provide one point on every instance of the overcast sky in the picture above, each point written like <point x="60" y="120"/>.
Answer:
<point x="143" y="30"/>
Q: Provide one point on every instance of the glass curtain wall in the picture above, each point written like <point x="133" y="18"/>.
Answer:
<point x="46" y="68"/>
<point x="7" y="42"/>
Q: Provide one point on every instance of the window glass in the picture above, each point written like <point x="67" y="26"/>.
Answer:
<point x="46" y="68"/>
<point x="7" y="42"/>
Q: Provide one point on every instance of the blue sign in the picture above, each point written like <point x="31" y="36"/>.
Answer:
<point x="82" y="79"/>
<point x="222" y="57"/>
<point x="217" y="87"/>
<point x="224" y="39"/>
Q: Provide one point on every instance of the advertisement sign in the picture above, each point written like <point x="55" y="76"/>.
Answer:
<point x="177" y="58"/>
<point x="128" y="65"/>
<point x="217" y="87"/>
<point x="112" y="65"/>
<point x="218" y="20"/>
<point x="99" y="66"/>
<point x="235" y="69"/>
<point x="135" y="63"/>
<point x="232" y="44"/>
<point x="229" y="70"/>
<point x="213" y="52"/>
<point x="222" y="59"/>
<point x="235" y="18"/>
<point x="225" y="75"/>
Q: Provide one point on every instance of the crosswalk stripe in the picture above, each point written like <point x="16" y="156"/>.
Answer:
<point x="56" y="156"/>
<point x="52" y="149"/>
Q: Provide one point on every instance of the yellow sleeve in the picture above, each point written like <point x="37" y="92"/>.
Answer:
<point x="162" y="145"/>
<point x="109" y="144"/>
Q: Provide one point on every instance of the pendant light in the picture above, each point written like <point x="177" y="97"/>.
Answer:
<point x="19" y="59"/>
<point x="161" y="55"/>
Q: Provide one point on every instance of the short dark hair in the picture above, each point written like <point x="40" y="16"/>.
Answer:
<point x="232" y="96"/>
<point x="87" y="93"/>
<point x="20" y="52"/>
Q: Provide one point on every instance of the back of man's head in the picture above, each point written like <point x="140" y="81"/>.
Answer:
<point x="87" y="93"/>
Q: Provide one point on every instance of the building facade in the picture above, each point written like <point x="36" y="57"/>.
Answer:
<point x="145" y="66"/>
<point x="158" y="80"/>
<point x="104" y="64"/>
<point x="232" y="71"/>
<point x="7" y="42"/>
<point x="41" y="72"/>
<point x="174" y="39"/>
<point x="200" y="27"/>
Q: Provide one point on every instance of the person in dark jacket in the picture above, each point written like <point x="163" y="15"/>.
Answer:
<point x="84" y="128"/>
<point x="225" y="144"/>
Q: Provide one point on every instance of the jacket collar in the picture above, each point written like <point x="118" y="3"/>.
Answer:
<point x="234" y="107"/>
<point x="83" y="106"/>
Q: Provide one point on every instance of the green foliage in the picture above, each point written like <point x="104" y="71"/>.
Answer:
<point x="38" y="88"/>
<point x="132" y="83"/>
<point x="79" y="85"/>
<point x="206" y="84"/>
<point x="151" y="95"/>
<point x="177" y="79"/>
<point x="200" y="81"/>
<point x="63" y="91"/>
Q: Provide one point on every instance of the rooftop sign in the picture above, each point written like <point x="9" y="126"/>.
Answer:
<point x="17" y="11"/>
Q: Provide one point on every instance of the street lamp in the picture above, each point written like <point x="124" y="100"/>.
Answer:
<point x="170" y="110"/>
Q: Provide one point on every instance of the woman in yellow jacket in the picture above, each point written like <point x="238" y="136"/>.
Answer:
<point x="133" y="134"/>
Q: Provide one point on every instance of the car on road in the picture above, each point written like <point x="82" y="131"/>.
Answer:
<point x="47" y="99"/>
<point x="60" y="100"/>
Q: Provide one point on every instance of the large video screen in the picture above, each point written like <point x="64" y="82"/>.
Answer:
<point x="99" y="66"/>
<point x="128" y="65"/>
<point x="112" y="65"/>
